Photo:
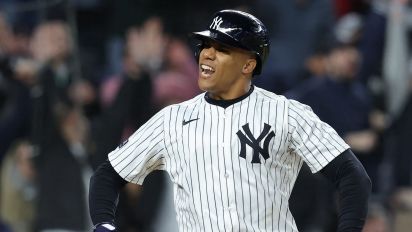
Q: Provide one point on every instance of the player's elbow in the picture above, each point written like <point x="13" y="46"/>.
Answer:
<point x="365" y="182"/>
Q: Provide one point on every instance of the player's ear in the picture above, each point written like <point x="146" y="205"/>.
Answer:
<point x="249" y="66"/>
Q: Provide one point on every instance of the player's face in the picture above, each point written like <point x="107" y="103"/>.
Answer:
<point x="225" y="72"/>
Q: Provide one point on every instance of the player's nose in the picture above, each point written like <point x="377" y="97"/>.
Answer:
<point x="208" y="53"/>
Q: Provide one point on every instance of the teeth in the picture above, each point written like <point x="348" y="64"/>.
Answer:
<point x="206" y="68"/>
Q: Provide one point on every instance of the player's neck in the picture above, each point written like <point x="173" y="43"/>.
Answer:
<point x="237" y="90"/>
<point x="228" y="102"/>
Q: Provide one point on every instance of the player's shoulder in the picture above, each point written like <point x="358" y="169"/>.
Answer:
<point x="298" y="106"/>
<point x="195" y="100"/>
<point x="269" y="96"/>
<point x="290" y="103"/>
<point x="191" y="102"/>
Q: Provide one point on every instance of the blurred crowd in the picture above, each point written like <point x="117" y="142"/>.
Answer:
<point x="77" y="77"/>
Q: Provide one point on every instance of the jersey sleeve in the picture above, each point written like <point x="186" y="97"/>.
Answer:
<point x="142" y="153"/>
<point x="312" y="139"/>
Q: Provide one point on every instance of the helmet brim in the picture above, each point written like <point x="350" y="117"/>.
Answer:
<point x="218" y="37"/>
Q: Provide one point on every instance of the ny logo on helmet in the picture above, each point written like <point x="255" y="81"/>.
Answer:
<point x="216" y="23"/>
<point x="254" y="143"/>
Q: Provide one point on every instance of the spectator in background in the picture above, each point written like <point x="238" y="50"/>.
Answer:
<point x="130" y="13"/>
<point x="59" y="132"/>
<point x="396" y="101"/>
<point x="397" y="56"/>
<point x="16" y="79"/>
<point x="41" y="82"/>
<point x="338" y="87"/>
<point x="67" y="146"/>
<point x="166" y="58"/>
<point x="18" y="190"/>
<point x="62" y="172"/>
<point x="51" y="48"/>
<point x="289" y="22"/>
<point x="177" y="81"/>
<point x="398" y="141"/>
<point x="371" y="45"/>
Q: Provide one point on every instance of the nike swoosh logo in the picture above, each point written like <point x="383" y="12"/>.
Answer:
<point x="191" y="120"/>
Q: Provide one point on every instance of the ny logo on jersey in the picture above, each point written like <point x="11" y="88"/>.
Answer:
<point x="216" y="23"/>
<point x="254" y="143"/>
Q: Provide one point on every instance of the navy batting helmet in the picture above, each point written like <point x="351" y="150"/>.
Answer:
<point x="241" y="30"/>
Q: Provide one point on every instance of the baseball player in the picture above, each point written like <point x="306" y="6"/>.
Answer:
<point x="233" y="152"/>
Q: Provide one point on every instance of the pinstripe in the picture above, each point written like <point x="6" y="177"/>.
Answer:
<point x="281" y="204"/>
<point x="171" y="147"/>
<point x="253" y="170"/>
<point x="185" y="218"/>
<point x="247" y="172"/>
<point x="276" y="154"/>
<point x="204" y="165"/>
<point x="211" y="160"/>
<point x="271" y="163"/>
<point x="218" y="167"/>
<point x="191" y="222"/>
<point x="260" y="169"/>
<point x="198" y="174"/>
<point x="224" y="168"/>
<point x="281" y="170"/>
<point x="185" y="177"/>
<point x="233" y="170"/>
<point x="170" y="137"/>
<point x="240" y="169"/>
<point x="194" y="217"/>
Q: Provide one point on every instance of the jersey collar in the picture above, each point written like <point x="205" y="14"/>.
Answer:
<point x="227" y="103"/>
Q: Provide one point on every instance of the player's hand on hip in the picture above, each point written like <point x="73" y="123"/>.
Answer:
<point x="104" y="227"/>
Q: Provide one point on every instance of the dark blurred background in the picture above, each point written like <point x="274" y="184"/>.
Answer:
<point x="77" y="77"/>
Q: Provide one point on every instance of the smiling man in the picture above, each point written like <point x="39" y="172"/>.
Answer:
<point x="233" y="152"/>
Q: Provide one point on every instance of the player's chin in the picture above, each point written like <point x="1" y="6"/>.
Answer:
<point x="205" y="84"/>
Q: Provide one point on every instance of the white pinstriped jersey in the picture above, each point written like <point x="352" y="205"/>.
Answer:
<point x="233" y="168"/>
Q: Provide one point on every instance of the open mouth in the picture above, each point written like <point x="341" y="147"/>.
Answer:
<point x="206" y="70"/>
